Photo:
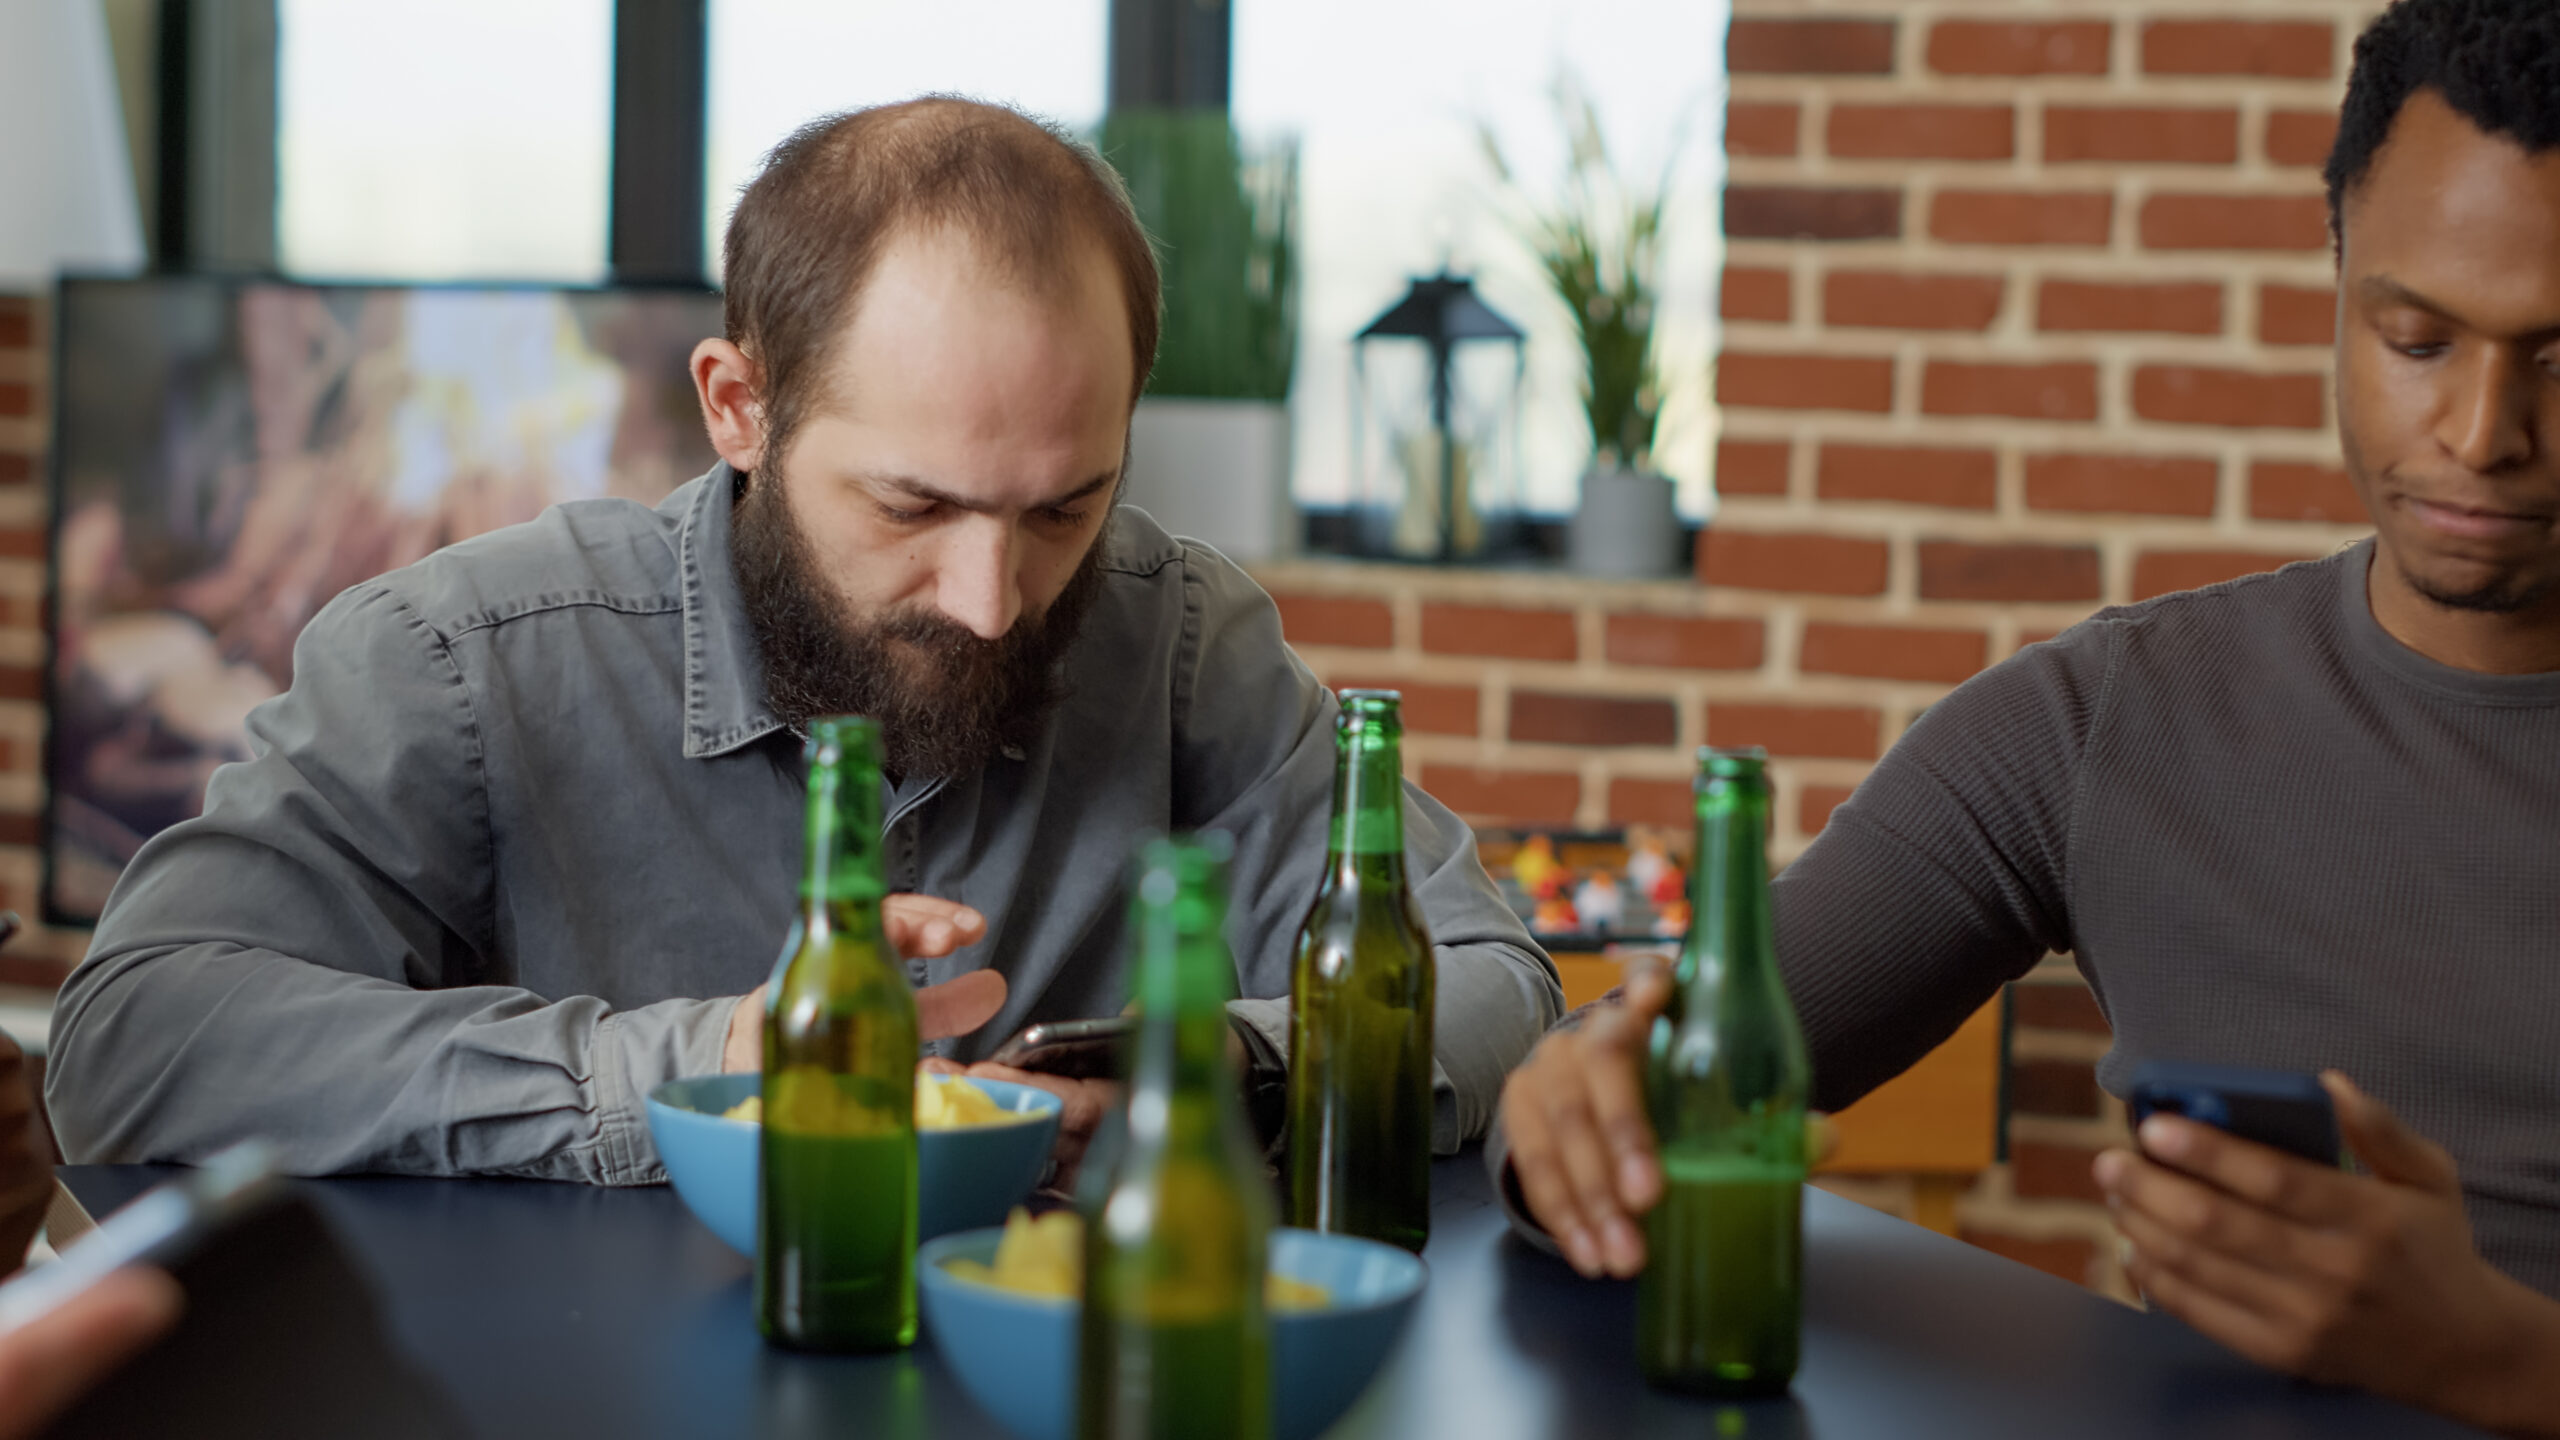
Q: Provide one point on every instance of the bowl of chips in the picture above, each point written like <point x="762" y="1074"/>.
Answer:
<point x="1002" y="1308"/>
<point x="980" y="1147"/>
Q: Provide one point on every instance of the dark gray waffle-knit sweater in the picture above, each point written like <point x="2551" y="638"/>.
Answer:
<point x="2271" y="835"/>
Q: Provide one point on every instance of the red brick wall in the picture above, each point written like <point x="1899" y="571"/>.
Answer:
<point x="2027" y="307"/>
<point x="1543" y="699"/>
<point x="2027" y="310"/>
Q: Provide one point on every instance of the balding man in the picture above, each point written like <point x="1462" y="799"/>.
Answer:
<point x="530" y="801"/>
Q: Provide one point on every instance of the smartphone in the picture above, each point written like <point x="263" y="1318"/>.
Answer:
<point x="1071" y="1049"/>
<point x="281" y="1337"/>
<point x="158" y="1229"/>
<point x="2283" y="1109"/>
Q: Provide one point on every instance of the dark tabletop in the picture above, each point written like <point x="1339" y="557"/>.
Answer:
<point x="562" y="1310"/>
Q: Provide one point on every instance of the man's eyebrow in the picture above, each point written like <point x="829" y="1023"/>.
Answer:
<point x="2383" y="290"/>
<point x="914" y="488"/>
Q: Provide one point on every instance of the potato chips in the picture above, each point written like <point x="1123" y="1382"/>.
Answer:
<point x="943" y="1102"/>
<point x="947" y="1102"/>
<point x="1046" y="1257"/>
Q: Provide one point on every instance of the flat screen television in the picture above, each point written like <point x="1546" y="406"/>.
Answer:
<point x="230" y="454"/>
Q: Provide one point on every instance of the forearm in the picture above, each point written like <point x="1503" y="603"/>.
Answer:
<point x="1888" y="945"/>
<point x="171" y="1054"/>
<point x="1495" y="1001"/>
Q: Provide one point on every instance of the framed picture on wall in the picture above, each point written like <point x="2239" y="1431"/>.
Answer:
<point x="231" y="454"/>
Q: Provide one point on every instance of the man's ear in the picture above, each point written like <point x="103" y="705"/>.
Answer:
<point x="725" y="381"/>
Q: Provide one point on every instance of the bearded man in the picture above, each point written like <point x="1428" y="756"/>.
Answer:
<point x="531" y="799"/>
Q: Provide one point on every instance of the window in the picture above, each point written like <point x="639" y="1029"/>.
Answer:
<point x="778" y="64"/>
<point x="444" y="139"/>
<point x="1384" y="98"/>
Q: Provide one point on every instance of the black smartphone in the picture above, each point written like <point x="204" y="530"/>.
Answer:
<point x="1071" y="1049"/>
<point x="281" y="1337"/>
<point x="2283" y="1109"/>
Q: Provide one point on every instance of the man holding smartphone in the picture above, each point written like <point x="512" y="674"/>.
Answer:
<point x="521" y="842"/>
<point x="2304" y="821"/>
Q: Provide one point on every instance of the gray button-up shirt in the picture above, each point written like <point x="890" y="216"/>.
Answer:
<point x="524" y="807"/>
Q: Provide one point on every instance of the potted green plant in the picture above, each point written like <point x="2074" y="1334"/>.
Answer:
<point x="1599" y="246"/>
<point x="1209" y="445"/>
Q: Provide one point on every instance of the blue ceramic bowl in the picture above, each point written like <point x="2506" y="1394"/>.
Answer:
<point x="965" y="1178"/>
<point x="1016" y="1354"/>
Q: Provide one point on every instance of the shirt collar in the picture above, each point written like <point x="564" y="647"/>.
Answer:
<point x="2365" y="632"/>
<point x="724" y="696"/>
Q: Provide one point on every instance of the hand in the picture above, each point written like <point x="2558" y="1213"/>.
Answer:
<point x="920" y="928"/>
<point x="50" y="1362"/>
<point x="2368" y="1280"/>
<point x="26" y="1170"/>
<point x="1580" y="1141"/>
<point x="1085" y="1102"/>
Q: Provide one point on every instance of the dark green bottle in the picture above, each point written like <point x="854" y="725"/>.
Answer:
<point x="836" y="1234"/>
<point x="1175" y="1339"/>
<point x="1720" y="1307"/>
<point x="1361" y="1001"/>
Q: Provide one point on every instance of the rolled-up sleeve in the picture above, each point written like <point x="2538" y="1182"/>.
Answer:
<point x="311" y="961"/>
<point x="1254" y="737"/>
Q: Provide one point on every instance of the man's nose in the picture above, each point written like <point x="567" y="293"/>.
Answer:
<point x="2488" y="425"/>
<point x="978" y="586"/>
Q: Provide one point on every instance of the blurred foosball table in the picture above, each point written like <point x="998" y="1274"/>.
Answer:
<point x="1937" y="1123"/>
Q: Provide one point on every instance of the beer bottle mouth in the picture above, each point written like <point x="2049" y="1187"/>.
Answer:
<point x="1371" y="709"/>
<point x="832" y="737"/>
<point x="1739" y="763"/>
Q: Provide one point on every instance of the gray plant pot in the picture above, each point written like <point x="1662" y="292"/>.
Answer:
<point x="1627" y="526"/>
<point x="1216" y="470"/>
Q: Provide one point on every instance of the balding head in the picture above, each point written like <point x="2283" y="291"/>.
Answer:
<point x="1027" y="199"/>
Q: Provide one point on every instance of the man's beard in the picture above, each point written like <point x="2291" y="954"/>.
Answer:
<point x="946" y="699"/>
<point x="2506" y="595"/>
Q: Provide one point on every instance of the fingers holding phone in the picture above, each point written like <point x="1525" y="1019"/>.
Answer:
<point x="2241" y="1221"/>
<point x="52" y="1360"/>
<point x="1070" y="1049"/>
<point x="1080" y="1062"/>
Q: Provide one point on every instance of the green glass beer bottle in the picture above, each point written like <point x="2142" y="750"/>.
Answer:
<point x="836" y="1231"/>
<point x="1359" y="1121"/>
<point x="1719" y="1308"/>
<point x="1175" y="1339"/>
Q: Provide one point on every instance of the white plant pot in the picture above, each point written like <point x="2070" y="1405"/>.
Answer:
<point x="1627" y="526"/>
<point x="1218" y="471"/>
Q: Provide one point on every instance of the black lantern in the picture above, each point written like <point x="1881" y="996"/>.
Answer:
<point x="1435" y="427"/>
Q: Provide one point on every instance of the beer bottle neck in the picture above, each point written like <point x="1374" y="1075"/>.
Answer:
<point x="1368" y="794"/>
<point x="1180" y="1081"/>
<point x="842" y="877"/>
<point x="1730" y="938"/>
